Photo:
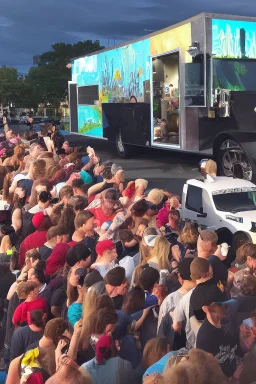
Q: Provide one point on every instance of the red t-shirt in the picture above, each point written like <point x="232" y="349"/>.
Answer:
<point x="35" y="240"/>
<point x="21" y="312"/>
<point x="72" y="243"/>
<point x="100" y="217"/>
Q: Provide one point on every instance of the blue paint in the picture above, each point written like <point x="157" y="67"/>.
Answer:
<point x="226" y="42"/>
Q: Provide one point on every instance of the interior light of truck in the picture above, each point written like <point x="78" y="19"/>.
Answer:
<point x="234" y="218"/>
<point x="253" y="228"/>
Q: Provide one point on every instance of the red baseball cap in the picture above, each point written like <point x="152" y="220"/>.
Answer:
<point x="37" y="219"/>
<point x="103" y="246"/>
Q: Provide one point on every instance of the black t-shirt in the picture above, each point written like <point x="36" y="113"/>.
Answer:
<point x="204" y="294"/>
<point x="220" y="344"/>
<point x="45" y="252"/>
<point x="220" y="272"/>
<point x="22" y="339"/>
<point x="5" y="284"/>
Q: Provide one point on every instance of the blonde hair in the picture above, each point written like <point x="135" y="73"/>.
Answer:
<point x="211" y="168"/>
<point x="89" y="307"/>
<point x="161" y="251"/>
<point x="199" y="368"/>
<point x="38" y="169"/>
<point x="153" y="351"/>
<point x="189" y="235"/>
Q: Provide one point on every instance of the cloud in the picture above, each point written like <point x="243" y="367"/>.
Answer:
<point x="30" y="28"/>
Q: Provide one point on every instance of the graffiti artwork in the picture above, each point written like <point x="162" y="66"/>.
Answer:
<point x="90" y="120"/>
<point x="233" y="39"/>
<point x="124" y="70"/>
<point x="84" y="71"/>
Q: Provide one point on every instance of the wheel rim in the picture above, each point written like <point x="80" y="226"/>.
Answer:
<point x="235" y="155"/>
<point x="120" y="143"/>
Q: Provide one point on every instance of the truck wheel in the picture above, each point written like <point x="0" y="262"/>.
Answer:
<point x="230" y="155"/>
<point x="123" y="150"/>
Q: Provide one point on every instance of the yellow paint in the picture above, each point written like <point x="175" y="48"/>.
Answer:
<point x="117" y="75"/>
<point x="177" y="38"/>
<point x="104" y="99"/>
<point x="140" y="72"/>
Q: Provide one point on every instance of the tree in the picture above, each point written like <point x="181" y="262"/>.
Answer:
<point x="8" y="85"/>
<point x="48" y="83"/>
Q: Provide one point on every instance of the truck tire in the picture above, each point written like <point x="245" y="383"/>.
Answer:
<point x="123" y="150"/>
<point x="230" y="154"/>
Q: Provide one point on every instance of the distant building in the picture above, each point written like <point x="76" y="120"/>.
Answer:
<point x="22" y="76"/>
<point x="36" y="60"/>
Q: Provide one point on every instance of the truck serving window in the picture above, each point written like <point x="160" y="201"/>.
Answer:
<point x="194" y="200"/>
<point x="88" y="94"/>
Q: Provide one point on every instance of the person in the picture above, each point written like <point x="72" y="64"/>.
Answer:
<point x="84" y="224"/>
<point x="107" y="255"/>
<point x="38" y="363"/>
<point x="41" y="223"/>
<point x="196" y="367"/>
<point x="37" y="274"/>
<point x="21" y="315"/>
<point x="76" y="280"/>
<point x="116" y="285"/>
<point x="5" y="123"/>
<point x="44" y="140"/>
<point x="57" y="233"/>
<point x="133" y="100"/>
<point x="25" y="336"/>
<point x="106" y="211"/>
<point x="107" y="367"/>
<point x="147" y="280"/>
<point x="79" y="256"/>
<point x="206" y="291"/>
<point x="206" y="248"/>
<point x="34" y="151"/>
<point x="173" y="299"/>
<point x="68" y="371"/>
<point x="154" y="350"/>
<point x="214" y="339"/>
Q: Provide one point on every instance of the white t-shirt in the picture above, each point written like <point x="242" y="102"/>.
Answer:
<point x="181" y="314"/>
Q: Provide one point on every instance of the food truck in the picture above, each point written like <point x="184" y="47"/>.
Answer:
<point x="194" y="84"/>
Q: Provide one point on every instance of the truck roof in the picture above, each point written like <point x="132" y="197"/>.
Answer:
<point x="203" y="14"/>
<point x="221" y="183"/>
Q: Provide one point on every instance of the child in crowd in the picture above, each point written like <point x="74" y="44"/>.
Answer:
<point x="21" y="315"/>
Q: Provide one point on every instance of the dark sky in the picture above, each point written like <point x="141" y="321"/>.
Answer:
<point x="30" y="27"/>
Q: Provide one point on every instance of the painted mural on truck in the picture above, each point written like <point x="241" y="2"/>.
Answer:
<point x="177" y="38"/>
<point x="85" y="71"/>
<point x="233" y="39"/>
<point x="119" y="74"/>
<point x="90" y="120"/>
<point x="123" y="72"/>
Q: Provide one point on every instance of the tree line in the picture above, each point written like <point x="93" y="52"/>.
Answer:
<point x="46" y="83"/>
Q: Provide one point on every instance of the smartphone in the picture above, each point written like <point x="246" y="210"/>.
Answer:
<point x="249" y="323"/>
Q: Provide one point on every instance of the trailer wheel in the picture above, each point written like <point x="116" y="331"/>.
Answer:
<point x="230" y="155"/>
<point x="123" y="150"/>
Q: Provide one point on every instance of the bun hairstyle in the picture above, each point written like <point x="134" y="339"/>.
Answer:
<point x="45" y="196"/>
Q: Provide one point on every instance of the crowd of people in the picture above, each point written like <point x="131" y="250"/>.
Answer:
<point x="102" y="282"/>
